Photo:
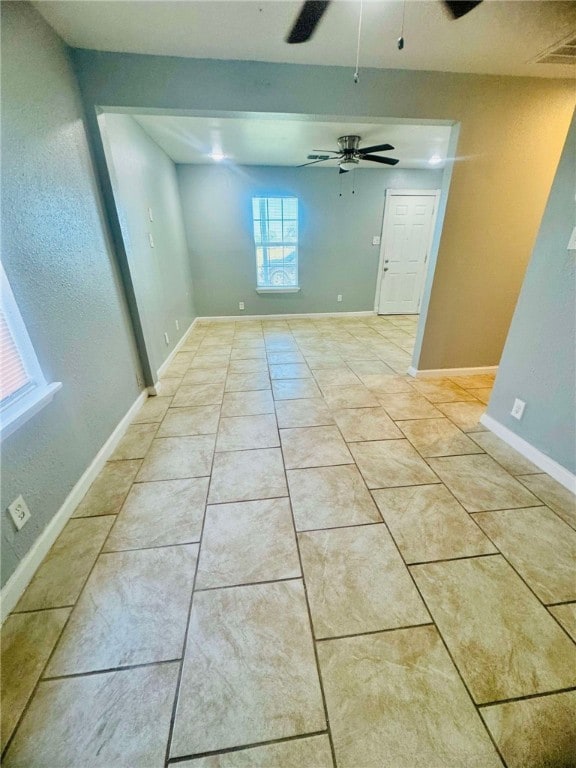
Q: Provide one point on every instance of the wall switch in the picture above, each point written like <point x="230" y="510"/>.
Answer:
<point x="150" y="214"/>
<point x="241" y="305"/>
<point x="518" y="409"/>
<point x="339" y="297"/>
<point x="167" y="339"/>
<point x="177" y="324"/>
<point x="572" y="241"/>
<point x="151" y="239"/>
<point x="376" y="240"/>
<point x="19" y="512"/>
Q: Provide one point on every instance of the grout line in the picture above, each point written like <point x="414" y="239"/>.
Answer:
<point x="239" y="748"/>
<point x="246" y="584"/>
<point x="561" y="602"/>
<point x="375" y="632"/>
<point x="527" y="697"/>
<point x="121" y="668"/>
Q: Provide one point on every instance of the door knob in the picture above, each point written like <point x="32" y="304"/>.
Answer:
<point x="385" y="269"/>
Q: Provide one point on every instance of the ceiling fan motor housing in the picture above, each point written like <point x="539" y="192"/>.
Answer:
<point x="349" y="144"/>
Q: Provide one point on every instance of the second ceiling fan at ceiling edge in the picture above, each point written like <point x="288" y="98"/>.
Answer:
<point x="350" y="153"/>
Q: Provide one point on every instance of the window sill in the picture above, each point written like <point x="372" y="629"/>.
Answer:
<point x="280" y="289"/>
<point x="26" y="407"/>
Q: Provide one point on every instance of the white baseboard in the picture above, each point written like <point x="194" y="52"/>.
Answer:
<point x="17" y="583"/>
<point x="166" y="364"/>
<point x="449" y="372"/>
<point x="236" y="318"/>
<point x="541" y="460"/>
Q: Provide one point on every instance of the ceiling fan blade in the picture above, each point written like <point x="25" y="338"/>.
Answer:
<point x="320" y="157"/>
<point x="459" y="8"/>
<point x="308" y="18"/>
<point x="341" y="170"/>
<point x="323" y="160"/>
<point x="376" y="148"/>
<point x="333" y="151"/>
<point x="377" y="159"/>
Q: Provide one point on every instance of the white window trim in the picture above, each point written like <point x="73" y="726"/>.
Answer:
<point x="280" y="289"/>
<point x="18" y="410"/>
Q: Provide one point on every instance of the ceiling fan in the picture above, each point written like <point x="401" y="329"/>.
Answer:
<point x="350" y="153"/>
<point x="313" y="10"/>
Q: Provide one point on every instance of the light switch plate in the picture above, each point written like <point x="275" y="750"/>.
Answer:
<point x="19" y="512"/>
<point x="572" y="241"/>
<point x="518" y="409"/>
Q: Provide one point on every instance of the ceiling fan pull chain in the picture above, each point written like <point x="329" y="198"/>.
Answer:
<point x="356" y="73"/>
<point x="401" y="38"/>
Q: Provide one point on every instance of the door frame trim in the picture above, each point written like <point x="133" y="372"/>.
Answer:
<point x="387" y="197"/>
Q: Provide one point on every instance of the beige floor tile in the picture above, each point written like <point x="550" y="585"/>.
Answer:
<point x="159" y="514"/>
<point x="323" y="361"/>
<point x="174" y="458"/>
<point x="396" y="699"/>
<point x="483" y="394"/>
<point x="312" y="412"/>
<point x="168" y="387"/>
<point x="357" y="396"/>
<point x="537" y="733"/>
<point x="119" y="719"/>
<point x="153" y="410"/>
<point x="206" y="376"/>
<point x="474" y="381"/>
<point x="313" y="447"/>
<point x="441" y="390"/>
<point x="502" y="639"/>
<point x="408" y="405"/>
<point x="466" y="416"/>
<point x="248" y="366"/>
<point x="242" y="382"/>
<point x="246" y="542"/>
<point x="566" y="615"/>
<point x="385" y="384"/>
<point x="239" y="433"/>
<point x="27" y="641"/>
<point x="429" y="524"/>
<point x="330" y="497"/>
<point x="285" y="358"/>
<point x="198" y="420"/>
<point x="250" y="661"/>
<point x="198" y="394"/>
<point x="247" y="476"/>
<point x="554" y="495"/>
<point x="311" y="752"/>
<point x="360" y="424"/>
<point x="133" y="610"/>
<point x="248" y="403"/>
<point x="506" y="456"/>
<point x="107" y="493"/>
<point x="336" y="377"/>
<point x="480" y="484"/>
<point x="369" y="367"/>
<point x="540" y="546"/>
<point x="248" y="353"/>
<point x="356" y="582"/>
<point x="295" y="389"/>
<point x="135" y="443"/>
<point x="388" y="463"/>
<point x="437" y="437"/>
<point x="290" y="371"/>
<point x="63" y="572"/>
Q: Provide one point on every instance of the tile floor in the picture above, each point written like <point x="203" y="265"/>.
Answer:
<point x="300" y="557"/>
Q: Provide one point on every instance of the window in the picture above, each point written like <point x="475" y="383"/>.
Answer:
<point x="276" y="240"/>
<point x="23" y="388"/>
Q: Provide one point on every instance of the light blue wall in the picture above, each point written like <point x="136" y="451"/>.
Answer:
<point x="144" y="177"/>
<point x="512" y="130"/>
<point x="538" y="363"/>
<point x="336" y="254"/>
<point x="59" y="262"/>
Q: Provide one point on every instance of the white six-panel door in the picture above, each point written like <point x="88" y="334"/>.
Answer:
<point x="406" y="238"/>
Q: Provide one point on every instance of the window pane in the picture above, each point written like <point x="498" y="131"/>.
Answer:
<point x="275" y="221"/>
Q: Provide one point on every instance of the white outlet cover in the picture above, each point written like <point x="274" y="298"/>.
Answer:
<point x="572" y="241"/>
<point x="376" y="240"/>
<point x="339" y="297"/>
<point x="19" y="512"/>
<point x="518" y="409"/>
<point x="241" y="305"/>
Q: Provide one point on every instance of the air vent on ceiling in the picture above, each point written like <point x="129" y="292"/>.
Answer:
<point x="563" y="52"/>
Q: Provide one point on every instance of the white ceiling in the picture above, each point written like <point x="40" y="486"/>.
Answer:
<point x="498" y="37"/>
<point x="266" y="140"/>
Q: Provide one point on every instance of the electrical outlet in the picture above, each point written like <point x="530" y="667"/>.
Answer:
<point x="241" y="305"/>
<point x="339" y="297"/>
<point x="151" y="239"/>
<point x="167" y="339"/>
<point x="150" y="214"/>
<point x="177" y="324"/>
<point x="518" y="409"/>
<point x="376" y="240"/>
<point x="19" y="512"/>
